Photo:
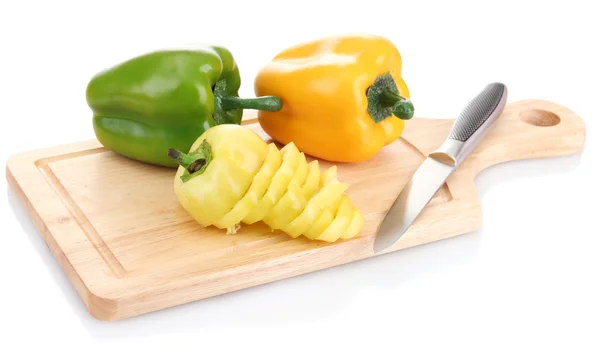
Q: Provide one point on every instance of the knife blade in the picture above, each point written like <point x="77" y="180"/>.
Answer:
<point x="466" y="133"/>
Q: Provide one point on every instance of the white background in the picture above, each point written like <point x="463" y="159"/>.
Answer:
<point x="526" y="285"/>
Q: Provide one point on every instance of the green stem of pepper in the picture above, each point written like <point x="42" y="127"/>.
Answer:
<point x="266" y="103"/>
<point x="401" y="107"/>
<point x="195" y="162"/>
<point x="384" y="100"/>
<point x="226" y="102"/>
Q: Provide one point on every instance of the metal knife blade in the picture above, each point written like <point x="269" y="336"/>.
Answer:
<point x="466" y="133"/>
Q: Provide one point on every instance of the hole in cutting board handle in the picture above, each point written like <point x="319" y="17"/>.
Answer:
<point x="539" y="118"/>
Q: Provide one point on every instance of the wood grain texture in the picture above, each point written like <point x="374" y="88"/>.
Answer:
<point x="119" y="233"/>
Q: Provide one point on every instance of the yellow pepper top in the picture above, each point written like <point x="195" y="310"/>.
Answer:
<point x="343" y="97"/>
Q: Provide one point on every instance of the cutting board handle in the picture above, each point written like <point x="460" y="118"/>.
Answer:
<point x="530" y="129"/>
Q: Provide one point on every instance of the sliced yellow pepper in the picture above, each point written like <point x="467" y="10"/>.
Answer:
<point x="231" y="176"/>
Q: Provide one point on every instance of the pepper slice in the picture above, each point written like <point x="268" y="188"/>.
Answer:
<point x="218" y="171"/>
<point x="312" y="180"/>
<point x="327" y="195"/>
<point x="358" y="220"/>
<point x="260" y="183"/>
<point x="279" y="184"/>
<point x="340" y="223"/>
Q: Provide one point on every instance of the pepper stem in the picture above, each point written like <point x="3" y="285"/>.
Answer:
<point x="195" y="162"/>
<point x="401" y="107"/>
<point x="265" y="103"/>
<point x="225" y="102"/>
<point x="385" y="100"/>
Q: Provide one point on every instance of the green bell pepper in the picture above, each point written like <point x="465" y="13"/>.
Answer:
<point x="166" y="99"/>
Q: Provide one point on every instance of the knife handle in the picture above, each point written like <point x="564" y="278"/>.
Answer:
<point x="471" y="124"/>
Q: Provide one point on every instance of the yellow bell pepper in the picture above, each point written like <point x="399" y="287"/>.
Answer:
<point x="343" y="97"/>
<point x="232" y="176"/>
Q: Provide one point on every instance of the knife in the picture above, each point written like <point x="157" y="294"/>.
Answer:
<point x="466" y="133"/>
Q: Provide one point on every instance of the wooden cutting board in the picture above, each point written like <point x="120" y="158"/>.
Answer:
<point x="119" y="233"/>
